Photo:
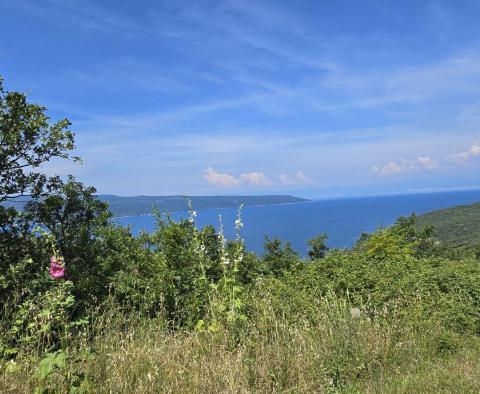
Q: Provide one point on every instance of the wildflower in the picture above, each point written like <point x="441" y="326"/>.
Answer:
<point x="193" y="214"/>
<point x="57" y="269"/>
<point x="355" y="313"/>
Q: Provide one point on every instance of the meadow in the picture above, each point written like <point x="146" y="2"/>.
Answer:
<point x="183" y="310"/>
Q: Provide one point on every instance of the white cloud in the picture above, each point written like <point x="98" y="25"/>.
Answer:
<point x="463" y="157"/>
<point x="427" y="162"/>
<point x="302" y="177"/>
<point x="255" y="179"/>
<point x="284" y="179"/>
<point x="299" y="178"/>
<point x="394" y="168"/>
<point x="220" y="179"/>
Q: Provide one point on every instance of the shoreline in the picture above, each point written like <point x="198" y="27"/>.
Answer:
<point x="218" y="208"/>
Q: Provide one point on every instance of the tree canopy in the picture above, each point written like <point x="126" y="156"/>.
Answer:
<point x="27" y="141"/>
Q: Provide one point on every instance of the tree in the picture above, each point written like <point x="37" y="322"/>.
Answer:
<point x="28" y="140"/>
<point x="74" y="215"/>
<point x="279" y="257"/>
<point x="318" y="247"/>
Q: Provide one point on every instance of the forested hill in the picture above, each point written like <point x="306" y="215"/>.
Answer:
<point x="457" y="226"/>
<point x="142" y="205"/>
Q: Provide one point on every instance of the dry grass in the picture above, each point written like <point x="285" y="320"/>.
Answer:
<point x="328" y="352"/>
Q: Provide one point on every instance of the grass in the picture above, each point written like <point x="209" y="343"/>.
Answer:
<point x="332" y="351"/>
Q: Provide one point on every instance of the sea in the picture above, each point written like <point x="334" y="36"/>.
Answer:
<point x="342" y="219"/>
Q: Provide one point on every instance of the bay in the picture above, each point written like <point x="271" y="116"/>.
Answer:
<point x="342" y="219"/>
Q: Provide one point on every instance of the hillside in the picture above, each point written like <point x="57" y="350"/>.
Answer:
<point x="457" y="226"/>
<point x="142" y="205"/>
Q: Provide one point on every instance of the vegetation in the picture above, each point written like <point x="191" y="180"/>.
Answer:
<point x="143" y="205"/>
<point x="87" y="307"/>
<point x="457" y="226"/>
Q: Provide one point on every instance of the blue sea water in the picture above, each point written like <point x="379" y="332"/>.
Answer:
<point x="342" y="219"/>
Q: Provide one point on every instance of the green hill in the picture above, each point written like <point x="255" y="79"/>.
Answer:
<point x="457" y="226"/>
<point x="143" y="205"/>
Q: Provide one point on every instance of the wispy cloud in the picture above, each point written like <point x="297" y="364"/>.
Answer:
<point x="126" y="73"/>
<point x="463" y="157"/>
<point x="225" y="180"/>
<point x="298" y="178"/>
<point x="255" y="179"/>
<point x="401" y="166"/>
<point x="394" y="168"/>
<point x="153" y="120"/>
<point x="426" y="162"/>
<point x="169" y="89"/>
<point x="88" y="14"/>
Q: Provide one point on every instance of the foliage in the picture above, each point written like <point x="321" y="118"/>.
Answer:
<point x="228" y="293"/>
<point x="318" y="247"/>
<point x="402" y="239"/>
<point x="426" y="288"/>
<point x="74" y="217"/>
<point x="41" y="323"/>
<point x="455" y="227"/>
<point x="328" y="351"/>
<point x="391" y="302"/>
<point x="27" y="140"/>
<point x="279" y="256"/>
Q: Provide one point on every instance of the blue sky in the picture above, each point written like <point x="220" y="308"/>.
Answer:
<point x="314" y="98"/>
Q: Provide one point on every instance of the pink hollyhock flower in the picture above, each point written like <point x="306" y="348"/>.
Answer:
<point x="57" y="270"/>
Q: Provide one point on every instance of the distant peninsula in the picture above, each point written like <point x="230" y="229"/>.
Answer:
<point x="143" y="205"/>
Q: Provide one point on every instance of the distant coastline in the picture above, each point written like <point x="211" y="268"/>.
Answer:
<point x="305" y="201"/>
<point x="342" y="219"/>
<point x="122" y="207"/>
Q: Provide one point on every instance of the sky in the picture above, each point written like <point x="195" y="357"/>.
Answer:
<point x="312" y="98"/>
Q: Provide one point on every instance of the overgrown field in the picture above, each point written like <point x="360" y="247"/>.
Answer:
<point x="326" y="351"/>
<point x="177" y="311"/>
